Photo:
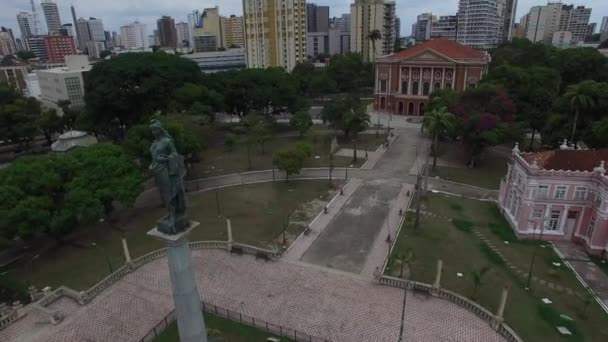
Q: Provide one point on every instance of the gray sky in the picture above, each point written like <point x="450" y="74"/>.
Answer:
<point x="116" y="13"/>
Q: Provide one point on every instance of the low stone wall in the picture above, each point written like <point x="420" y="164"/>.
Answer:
<point x="497" y="323"/>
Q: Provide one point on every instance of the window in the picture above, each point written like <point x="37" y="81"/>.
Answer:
<point x="542" y="191"/>
<point x="404" y="87"/>
<point x="598" y="200"/>
<point x="437" y="86"/>
<point x="591" y="227"/>
<point x="415" y="88"/>
<point x="554" y="220"/>
<point x="426" y="88"/>
<point x="383" y="85"/>
<point x="580" y="193"/>
<point x="560" y="192"/>
<point x="538" y="213"/>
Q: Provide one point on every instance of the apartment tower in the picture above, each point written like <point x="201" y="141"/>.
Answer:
<point x="368" y="16"/>
<point x="51" y="16"/>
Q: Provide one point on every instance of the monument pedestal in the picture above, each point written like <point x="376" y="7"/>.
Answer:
<point x="190" y="322"/>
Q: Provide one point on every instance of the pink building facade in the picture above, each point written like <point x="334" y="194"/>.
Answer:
<point x="561" y="194"/>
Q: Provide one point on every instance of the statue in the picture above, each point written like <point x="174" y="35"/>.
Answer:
<point x="168" y="168"/>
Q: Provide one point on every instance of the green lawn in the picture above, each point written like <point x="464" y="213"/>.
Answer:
<point x="364" y="141"/>
<point x="486" y="174"/>
<point x="257" y="213"/>
<point x="463" y="252"/>
<point x="221" y="330"/>
<point x="601" y="263"/>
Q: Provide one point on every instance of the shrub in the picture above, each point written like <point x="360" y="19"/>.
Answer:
<point x="503" y="231"/>
<point x="230" y="142"/>
<point x="463" y="225"/>
<point x="550" y="315"/>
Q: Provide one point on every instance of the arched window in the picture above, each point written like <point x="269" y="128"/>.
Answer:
<point x="410" y="108"/>
<point x="426" y="88"/>
<point x="437" y="86"/>
<point x="382" y="103"/>
<point x="472" y="85"/>
<point x="404" y="87"/>
<point x="415" y="88"/>
<point x="421" y="111"/>
<point x="400" y="111"/>
<point x="448" y="85"/>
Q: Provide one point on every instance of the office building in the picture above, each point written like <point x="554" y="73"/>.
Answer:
<point x="233" y="31"/>
<point x="478" y="23"/>
<point x="397" y="28"/>
<point x="64" y="83"/>
<point x="7" y="42"/>
<point x="561" y="39"/>
<point x="339" y="34"/>
<point x="194" y="22"/>
<point x="275" y="33"/>
<point x="167" y="36"/>
<point x="183" y="34"/>
<point x="317" y="18"/>
<point x="604" y="26"/>
<point x="405" y="80"/>
<point x="96" y="31"/>
<point x="506" y="15"/>
<point x="94" y="48"/>
<point x="51" y="16"/>
<point x="57" y="47"/>
<point x="83" y="33"/>
<point x="134" y="36"/>
<point x="28" y="25"/>
<point x="210" y="62"/>
<point x="211" y="24"/>
<point x="67" y="30"/>
<point x="423" y="26"/>
<point x="205" y="42"/>
<point x="368" y="16"/>
<point x="519" y="31"/>
<point x="14" y="74"/>
<point x="445" y="27"/>
<point x="591" y="29"/>
<point x="79" y="43"/>
<point x="37" y="45"/>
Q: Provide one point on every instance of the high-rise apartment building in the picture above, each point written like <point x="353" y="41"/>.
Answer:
<point x="368" y="16"/>
<point x="234" y="31"/>
<point x="445" y="27"/>
<point x="183" y="34"/>
<point x="83" y="33"/>
<point x="76" y="29"/>
<point x="544" y="21"/>
<point x="167" y="35"/>
<point x="211" y="24"/>
<point x="478" y="23"/>
<point x="423" y="26"/>
<point x="339" y="34"/>
<point x="67" y="30"/>
<point x="7" y="44"/>
<point x="591" y="29"/>
<point x="506" y="15"/>
<point x="37" y="46"/>
<point x="58" y="46"/>
<point x="397" y="28"/>
<point x="96" y="30"/>
<point x="275" y="32"/>
<point x="28" y="26"/>
<point x="577" y="21"/>
<point x="134" y="36"/>
<point x="317" y="18"/>
<point x="51" y="15"/>
<point x="604" y="26"/>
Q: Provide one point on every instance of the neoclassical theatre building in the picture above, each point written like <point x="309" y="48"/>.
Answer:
<point x="405" y="80"/>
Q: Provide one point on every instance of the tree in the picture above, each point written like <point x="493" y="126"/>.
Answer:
<point x="405" y="259"/>
<point x="303" y="73"/>
<point x="321" y="85"/>
<point x="579" y="100"/>
<point x="17" y="118"/>
<point x="49" y="123"/>
<point x="105" y="53"/>
<point x="350" y="72"/>
<point x="292" y="160"/>
<point x="438" y="122"/>
<point x="355" y="121"/>
<point x="301" y="121"/>
<point x="122" y="91"/>
<point x="334" y="112"/>
<point x="477" y="277"/>
<point x="373" y="36"/>
<point x="26" y="54"/>
<point x="262" y="133"/>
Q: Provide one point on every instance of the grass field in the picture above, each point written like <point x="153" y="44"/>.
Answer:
<point x="464" y="252"/>
<point x="486" y="174"/>
<point x="220" y="329"/>
<point x="257" y="213"/>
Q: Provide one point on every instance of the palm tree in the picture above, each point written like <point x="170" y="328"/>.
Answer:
<point x="355" y="121"/>
<point x="438" y="122"/>
<point x="373" y="36"/>
<point x="405" y="258"/>
<point x="579" y="101"/>
<point x="478" y="279"/>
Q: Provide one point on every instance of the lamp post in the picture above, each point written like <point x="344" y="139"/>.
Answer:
<point x="105" y="255"/>
<point x="535" y="251"/>
<point x="401" y="337"/>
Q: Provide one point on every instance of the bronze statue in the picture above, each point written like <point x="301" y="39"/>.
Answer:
<point x="168" y="168"/>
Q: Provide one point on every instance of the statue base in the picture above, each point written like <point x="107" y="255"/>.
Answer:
<point x="190" y="322"/>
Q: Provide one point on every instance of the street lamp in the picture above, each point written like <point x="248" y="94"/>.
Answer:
<point x="401" y="337"/>
<point x="535" y="251"/>
<point x="105" y="255"/>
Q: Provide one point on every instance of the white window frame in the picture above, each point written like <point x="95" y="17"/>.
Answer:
<point x="538" y="213"/>
<point x="541" y="191"/>
<point x="560" y="192"/>
<point x="580" y="193"/>
<point x="554" y="218"/>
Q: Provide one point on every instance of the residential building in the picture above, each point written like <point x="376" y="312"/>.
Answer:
<point x="317" y="18"/>
<point x="591" y="29"/>
<point x="368" y="16"/>
<point x="118" y="39"/>
<point x="67" y="30"/>
<point x="604" y="26"/>
<point x="205" y="42"/>
<point x="479" y="25"/>
<point x="339" y="34"/>
<point x="578" y="21"/>
<point x="558" y="195"/>
<point x="445" y="27"/>
<point x="562" y="39"/>
<point x="28" y="26"/>
<point x="543" y="21"/>
<point x="14" y="74"/>
<point x="152" y="41"/>
<point x="183" y="34"/>
<point x="397" y="28"/>
<point x="506" y="14"/>
<point x="519" y="31"/>
<point x="79" y="43"/>
<point x="167" y="35"/>
<point x="64" y="83"/>
<point x="275" y="33"/>
<point x="96" y="31"/>
<point x="83" y="33"/>
<point x="134" y="36"/>
<point x="233" y="31"/>
<point x="317" y="43"/>
<point x="7" y="44"/>
<point x="94" y="48"/>
<point x="38" y="46"/>
<point x="405" y="80"/>
<point x="194" y="22"/>
<point x="57" y="47"/>
<point x="423" y="26"/>
<point x="215" y="61"/>
<point x="51" y="16"/>
<point x="211" y="24"/>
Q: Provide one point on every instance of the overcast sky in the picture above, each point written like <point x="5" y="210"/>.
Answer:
<point x="116" y="13"/>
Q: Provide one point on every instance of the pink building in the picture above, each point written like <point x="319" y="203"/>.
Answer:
<point x="562" y="192"/>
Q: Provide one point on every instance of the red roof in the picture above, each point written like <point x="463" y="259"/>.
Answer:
<point x="445" y="47"/>
<point x="568" y="160"/>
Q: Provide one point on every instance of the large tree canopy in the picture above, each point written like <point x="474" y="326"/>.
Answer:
<point x="122" y="90"/>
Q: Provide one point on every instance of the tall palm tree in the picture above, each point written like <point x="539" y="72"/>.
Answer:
<point x="355" y="121"/>
<point x="579" y="101"/>
<point x="373" y="36"/>
<point x="405" y="259"/>
<point x="438" y="122"/>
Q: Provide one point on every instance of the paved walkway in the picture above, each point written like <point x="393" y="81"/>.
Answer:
<point x="319" y="302"/>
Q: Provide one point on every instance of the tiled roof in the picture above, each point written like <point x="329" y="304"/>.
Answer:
<point x="568" y="160"/>
<point x="445" y="47"/>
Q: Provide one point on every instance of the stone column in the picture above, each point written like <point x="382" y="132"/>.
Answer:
<point x="437" y="283"/>
<point x="503" y="303"/>
<point x="229" y="229"/>
<point x="190" y="322"/>
<point x="125" y="249"/>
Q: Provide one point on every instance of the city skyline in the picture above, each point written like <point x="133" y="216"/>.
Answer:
<point x="117" y="13"/>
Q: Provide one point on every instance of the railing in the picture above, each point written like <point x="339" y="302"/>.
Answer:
<point x="497" y="323"/>
<point x="270" y="328"/>
<point x="6" y="320"/>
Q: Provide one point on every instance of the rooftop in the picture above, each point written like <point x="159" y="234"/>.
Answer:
<point x="445" y="47"/>
<point x="567" y="160"/>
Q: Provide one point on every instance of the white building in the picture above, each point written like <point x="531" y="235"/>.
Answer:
<point x="95" y="48"/>
<point x="65" y="83"/>
<point x="478" y="23"/>
<point x="51" y="15"/>
<point x="215" y="61"/>
<point x="367" y="16"/>
<point x="543" y="21"/>
<point x="562" y="39"/>
<point x="183" y="34"/>
<point x="445" y="27"/>
<point x="134" y="36"/>
<point x="96" y="30"/>
<point x="275" y="33"/>
<point x="29" y="25"/>
<point x="604" y="26"/>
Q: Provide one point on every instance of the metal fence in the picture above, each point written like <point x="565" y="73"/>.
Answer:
<point x="274" y="329"/>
